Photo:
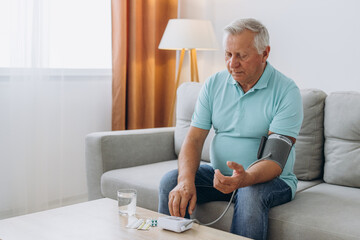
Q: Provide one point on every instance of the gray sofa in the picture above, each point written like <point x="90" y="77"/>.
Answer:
<point x="327" y="202"/>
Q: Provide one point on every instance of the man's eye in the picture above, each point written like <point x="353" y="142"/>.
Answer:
<point x="227" y="54"/>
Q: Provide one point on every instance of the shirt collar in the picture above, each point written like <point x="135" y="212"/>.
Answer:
<point x="265" y="77"/>
<point x="263" y="81"/>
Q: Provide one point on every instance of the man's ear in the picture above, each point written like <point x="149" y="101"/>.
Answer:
<point x="266" y="53"/>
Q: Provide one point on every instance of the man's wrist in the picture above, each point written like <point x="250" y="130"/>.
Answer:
<point x="186" y="179"/>
<point x="250" y="178"/>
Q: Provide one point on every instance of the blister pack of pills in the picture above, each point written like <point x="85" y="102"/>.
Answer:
<point x="141" y="224"/>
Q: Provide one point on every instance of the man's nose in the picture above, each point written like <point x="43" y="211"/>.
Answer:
<point x="234" y="62"/>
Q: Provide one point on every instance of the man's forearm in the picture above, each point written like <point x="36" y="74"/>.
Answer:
<point x="190" y="154"/>
<point x="263" y="171"/>
<point x="188" y="162"/>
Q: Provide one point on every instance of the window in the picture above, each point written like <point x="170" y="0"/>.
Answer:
<point x="55" y="34"/>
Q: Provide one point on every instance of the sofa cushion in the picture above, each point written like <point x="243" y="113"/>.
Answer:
<point x="324" y="211"/>
<point x="145" y="179"/>
<point x="303" y="185"/>
<point x="310" y="142"/>
<point x="187" y="95"/>
<point x="342" y="139"/>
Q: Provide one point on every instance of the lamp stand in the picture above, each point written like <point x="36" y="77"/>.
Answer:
<point x="176" y="86"/>
<point x="194" y="77"/>
<point x="194" y="68"/>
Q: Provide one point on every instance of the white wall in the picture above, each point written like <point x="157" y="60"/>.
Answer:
<point x="316" y="43"/>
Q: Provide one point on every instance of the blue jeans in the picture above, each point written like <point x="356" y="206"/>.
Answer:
<point x="251" y="204"/>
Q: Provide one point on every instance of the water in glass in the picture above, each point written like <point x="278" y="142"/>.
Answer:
<point x="127" y="201"/>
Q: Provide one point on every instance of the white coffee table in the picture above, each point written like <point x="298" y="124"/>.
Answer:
<point x="98" y="219"/>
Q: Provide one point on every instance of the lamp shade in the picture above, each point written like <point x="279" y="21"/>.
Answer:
<point x="188" y="34"/>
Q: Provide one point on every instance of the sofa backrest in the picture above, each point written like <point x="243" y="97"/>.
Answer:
<point x="309" y="145"/>
<point x="187" y="95"/>
<point x="342" y="139"/>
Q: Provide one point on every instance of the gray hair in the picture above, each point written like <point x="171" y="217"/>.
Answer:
<point x="261" y="39"/>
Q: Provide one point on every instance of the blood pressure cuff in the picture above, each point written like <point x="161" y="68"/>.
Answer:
<point x="276" y="148"/>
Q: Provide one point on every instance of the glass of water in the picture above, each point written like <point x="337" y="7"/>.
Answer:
<point x="127" y="201"/>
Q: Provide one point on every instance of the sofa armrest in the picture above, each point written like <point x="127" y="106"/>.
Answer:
<point x="106" y="151"/>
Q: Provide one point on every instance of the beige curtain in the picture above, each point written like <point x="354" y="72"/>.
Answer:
<point x="143" y="75"/>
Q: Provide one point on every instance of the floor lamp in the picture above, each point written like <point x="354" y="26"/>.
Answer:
<point x="187" y="34"/>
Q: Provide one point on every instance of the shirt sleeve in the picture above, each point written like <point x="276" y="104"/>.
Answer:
<point x="289" y="115"/>
<point x="201" y="117"/>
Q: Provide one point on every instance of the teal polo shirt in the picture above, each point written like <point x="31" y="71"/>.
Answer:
<point x="241" y="119"/>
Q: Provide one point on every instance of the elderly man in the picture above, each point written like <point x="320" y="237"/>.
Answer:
<point x="249" y="100"/>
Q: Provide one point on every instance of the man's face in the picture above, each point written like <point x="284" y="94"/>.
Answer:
<point x="242" y="59"/>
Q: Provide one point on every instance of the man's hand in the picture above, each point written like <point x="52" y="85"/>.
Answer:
<point x="179" y="198"/>
<point x="238" y="179"/>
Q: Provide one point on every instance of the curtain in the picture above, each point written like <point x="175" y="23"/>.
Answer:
<point x="45" y="115"/>
<point x="27" y="132"/>
<point x="143" y="75"/>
